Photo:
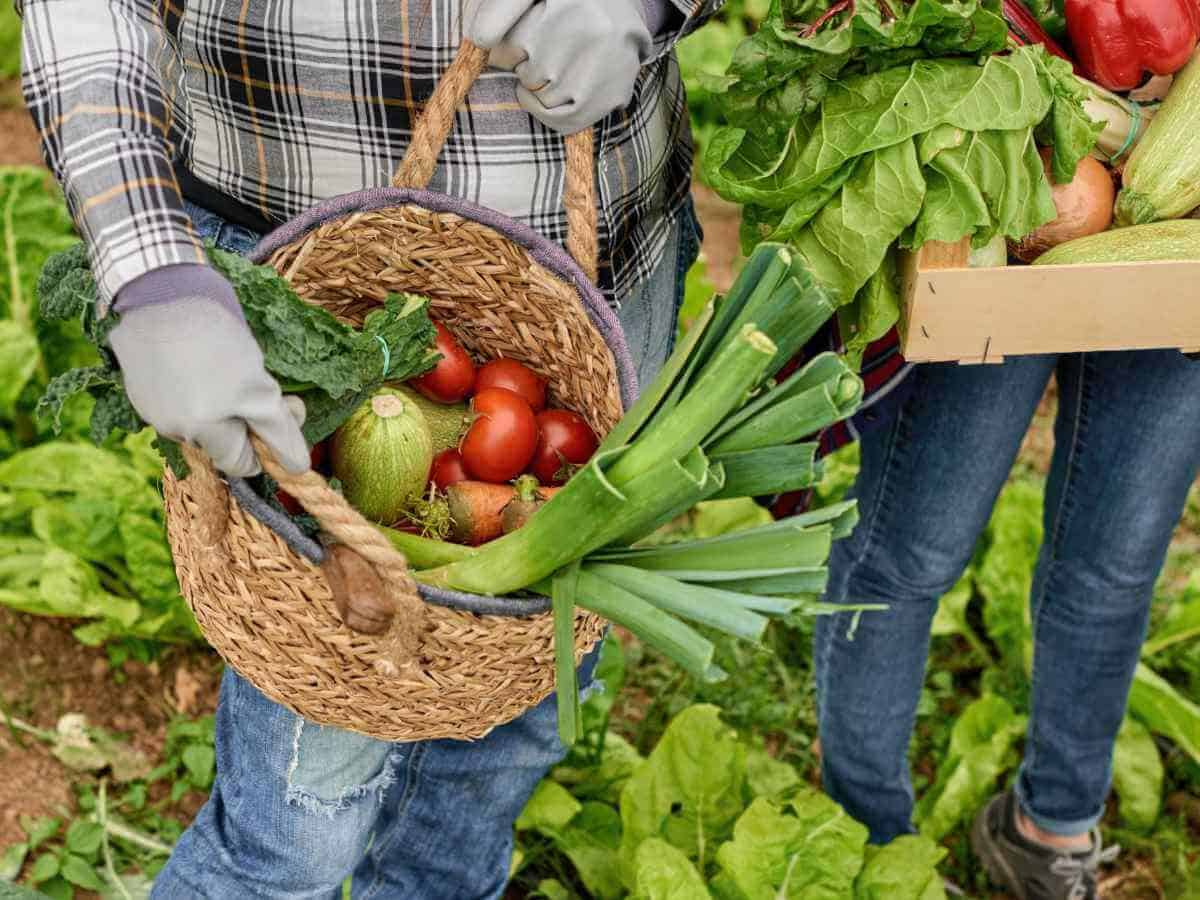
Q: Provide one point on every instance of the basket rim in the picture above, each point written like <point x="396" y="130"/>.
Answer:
<point x="541" y="249"/>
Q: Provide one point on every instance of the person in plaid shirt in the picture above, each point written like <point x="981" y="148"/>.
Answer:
<point x="171" y="123"/>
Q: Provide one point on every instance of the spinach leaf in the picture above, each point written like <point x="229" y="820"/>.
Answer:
<point x="665" y="873"/>
<point x="1164" y="710"/>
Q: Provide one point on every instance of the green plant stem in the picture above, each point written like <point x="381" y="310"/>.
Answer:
<point x="40" y="734"/>
<point x="721" y="388"/>
<point x="102" y="816"/>
<point x="131" y="835"/>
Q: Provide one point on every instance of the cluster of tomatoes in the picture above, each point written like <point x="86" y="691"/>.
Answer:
<point x="511" y="431"/>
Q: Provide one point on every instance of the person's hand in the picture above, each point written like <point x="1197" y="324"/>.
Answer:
<point x="577" y="60"/>
<point x="193" y="371"/>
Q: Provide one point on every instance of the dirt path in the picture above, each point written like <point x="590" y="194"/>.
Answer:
<point x="45" y="674"/>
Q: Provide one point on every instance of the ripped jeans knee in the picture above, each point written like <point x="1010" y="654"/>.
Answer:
<point x="332" y="770"/>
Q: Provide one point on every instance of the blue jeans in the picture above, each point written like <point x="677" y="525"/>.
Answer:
<point x="1127" y="448"/>
<point x="297" y="808"/>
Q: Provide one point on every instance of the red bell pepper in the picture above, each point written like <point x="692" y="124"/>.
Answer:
<point x="1118" y="41"/>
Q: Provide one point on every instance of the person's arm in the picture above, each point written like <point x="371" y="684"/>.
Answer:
<point x="95" y="73"/>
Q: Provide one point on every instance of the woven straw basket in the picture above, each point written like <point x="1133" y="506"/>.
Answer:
<point x="503" y="290"/>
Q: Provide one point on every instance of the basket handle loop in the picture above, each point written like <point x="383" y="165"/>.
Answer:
<point x="347" y="526"/>
<point x="433" y="127"/>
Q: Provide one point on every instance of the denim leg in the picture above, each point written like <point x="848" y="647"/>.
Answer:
<point x="446" y="830"/>
<point x="1127" y="450"/>
<point x="649" y="315"/>
<point x="292" y="809"/>
<point x="925" y="492"/>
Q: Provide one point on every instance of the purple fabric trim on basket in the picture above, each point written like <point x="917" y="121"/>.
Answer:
<point x="545" y="252"/>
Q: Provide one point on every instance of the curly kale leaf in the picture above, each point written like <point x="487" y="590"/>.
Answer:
<point x="114" y="412"/>
<point x="173" y="454"/>
<point x="67" y="385"/>
<point x="334" y="366"/>
<point x="305" y="347"/>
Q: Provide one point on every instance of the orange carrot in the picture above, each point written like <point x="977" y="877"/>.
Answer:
<point x="481" y="511"/>
<point x="476" y="508"/>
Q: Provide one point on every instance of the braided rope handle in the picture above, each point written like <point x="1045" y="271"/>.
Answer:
<point x="433" y="127"/>
<point x="347" y="526"/>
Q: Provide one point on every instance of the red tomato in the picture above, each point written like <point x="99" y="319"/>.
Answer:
<point x="565" y="440"/>
<point x="453" y="377"/>
<point x="317" y="457"/>
<point x="447" y="469"/>
<point x="520" y="379"/>
<point x="499" y="444"/>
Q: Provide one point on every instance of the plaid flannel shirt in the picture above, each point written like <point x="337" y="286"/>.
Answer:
<point x="278" y="104"/>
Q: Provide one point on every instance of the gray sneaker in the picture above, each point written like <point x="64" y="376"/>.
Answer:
<point x="1032" y="871"/>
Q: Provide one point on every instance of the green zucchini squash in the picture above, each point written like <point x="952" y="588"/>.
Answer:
<point x="1174" y="239"/>
<point x="1162" y="178"/>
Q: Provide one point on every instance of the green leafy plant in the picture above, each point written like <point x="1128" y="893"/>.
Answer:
<point x="706" y="814"/>
<point x="125" y="821"/>
<point x="852" y="129"/>
<point x="189" y="757"/>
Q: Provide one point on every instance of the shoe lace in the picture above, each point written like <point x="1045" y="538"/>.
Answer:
<point x="1078" y="872"/>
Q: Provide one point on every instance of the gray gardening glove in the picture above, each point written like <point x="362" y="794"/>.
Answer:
<point x="194" y="372"/>
<point x="577" y="60"/>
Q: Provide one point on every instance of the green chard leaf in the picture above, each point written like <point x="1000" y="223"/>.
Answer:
<point x="874" y="310"/>
<point x="980" y="183"/>
<point x="1137" y="775"/>
<point x="809" y="849"/>
<point x="1164" y="710"/>
<point x="665" y="873"/>
<point x="1068" y="129"/>
<point x="982" y="748"/>
<point x="688" y="792"/>
<point x="873" y="111"/>
<point x="846" y="243"/>
<point x="34" y="224"/>
<point x="905" y="869"/>
<point x="784" y="69"/>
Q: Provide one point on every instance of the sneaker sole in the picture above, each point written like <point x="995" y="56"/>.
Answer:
<point x="994" y="864"/>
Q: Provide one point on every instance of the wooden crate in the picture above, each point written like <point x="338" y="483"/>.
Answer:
<point x="953" y="313"/>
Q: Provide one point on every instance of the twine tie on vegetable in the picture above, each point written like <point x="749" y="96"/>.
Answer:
<point x="387" y="354"/>
<point x="1135" y="116"/>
